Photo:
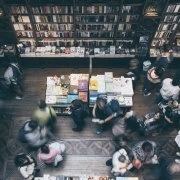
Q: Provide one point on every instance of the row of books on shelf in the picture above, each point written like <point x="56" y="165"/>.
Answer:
<point x="131" y="9"/>
<point x="125" y="34"/>
<point x="155" y="51"/>
<point x="173" y="8"/>
<point x="163" y="34"/>
<point x="53" y="34"/>
<point x="20" y="18"/>
<point x="22" y="27"/>
<point x="112" y="51"/>
<point x="98" y="27"/>
<point x="97" y="9"/>
<point x="129" y="18"/>
<point x="87" y="34"/>
<point x="60" y="27"/>
<point x="53" y="18"/>
<point x="18" y="10"/>
<point x="170" y="18"/>
<point x="124" y="27"/>
<point x="96" y="19"/>
<point x="24" y="34"/>
<point x="52" y="9"/>
<point x="169" y="27"/>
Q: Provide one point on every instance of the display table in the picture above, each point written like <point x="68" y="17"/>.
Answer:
<point x="61" y="91"/>
<point x="109" y="87"/>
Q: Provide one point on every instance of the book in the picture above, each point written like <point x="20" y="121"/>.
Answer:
<point x="102" y="52"/>
<point x="74" y="79"/>
<point x="62" y="99"/>
<point x="73" y="89"/>
<point x="51" y="99"/>
<point x="96" y="51"/>
<point x="93" y="84"/>
<point x="71" y="97"/>
<point x="109" y="87"/>
<point x="83" y="96"/>
<point x="72" y="51"/>
<point x="108" y="76"/>
<point x="65" y="79"/>
<point x="83" y="85"/>
<point x="112" y="50"/>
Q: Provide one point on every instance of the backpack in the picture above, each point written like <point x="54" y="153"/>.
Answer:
<point x="114" y="105"/>
<point x="22" y="133"/>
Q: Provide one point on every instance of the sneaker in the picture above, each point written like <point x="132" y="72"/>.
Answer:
<point x="178" y="154"/>
<point x="148" y="94"/>
<point x="99" y="131"/>
<point x="177" y="161"/>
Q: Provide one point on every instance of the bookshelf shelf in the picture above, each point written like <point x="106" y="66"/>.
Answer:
<point x="103" y="23"/>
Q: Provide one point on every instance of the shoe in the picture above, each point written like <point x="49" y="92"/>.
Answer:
<point x="76" y="129"/>
<point x="177" y="161"/>
<point x="178" y="154"/>
<point x="148" y="94"/>
<point x="99" y="131"/>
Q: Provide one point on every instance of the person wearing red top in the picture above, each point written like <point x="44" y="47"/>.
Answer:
<point x="51" y="154"/>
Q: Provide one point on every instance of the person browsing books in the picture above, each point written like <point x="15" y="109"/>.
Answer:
<point x="104" y="111"/>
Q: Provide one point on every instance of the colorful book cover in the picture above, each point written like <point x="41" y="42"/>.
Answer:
<point x="61" y="99"/>
<point x="64" y="89"/>
<point x="83" y="85"/>
<point x="73" y="89"/>
<point x="65" y="79"/>
<point x="67" y="52"/>
<point x="72" y="97"/>
<point x="93" y="84"/>
<point x="83" y="96"/>
<point x="74" y="79"/>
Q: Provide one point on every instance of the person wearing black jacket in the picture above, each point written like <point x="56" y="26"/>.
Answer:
<point x="78" y="114"/>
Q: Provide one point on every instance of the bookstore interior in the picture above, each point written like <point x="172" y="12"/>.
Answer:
<point x="88" y="34"/>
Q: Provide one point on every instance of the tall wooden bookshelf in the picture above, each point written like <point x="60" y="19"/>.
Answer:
<point x="92" y="23"/>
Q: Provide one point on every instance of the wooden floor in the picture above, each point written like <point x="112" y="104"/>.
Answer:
<point x="86" y="152"/>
